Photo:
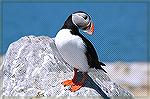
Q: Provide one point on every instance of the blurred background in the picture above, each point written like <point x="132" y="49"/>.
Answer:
<point x="120" y="37"/>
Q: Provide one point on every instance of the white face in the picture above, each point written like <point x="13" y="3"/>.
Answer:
<point x="83" y="21"/>
<point x="80" y="19"/>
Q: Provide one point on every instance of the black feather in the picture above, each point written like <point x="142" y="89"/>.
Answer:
<point x="102" y="64"/>
<point x="91" y="55"/>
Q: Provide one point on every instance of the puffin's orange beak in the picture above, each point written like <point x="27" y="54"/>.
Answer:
<point x="91" y="29"/>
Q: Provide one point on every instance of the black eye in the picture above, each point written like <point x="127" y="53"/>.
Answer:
<point x="85" y="17"/>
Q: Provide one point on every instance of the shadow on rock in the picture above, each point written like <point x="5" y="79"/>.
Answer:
<point x="91" y="84"/>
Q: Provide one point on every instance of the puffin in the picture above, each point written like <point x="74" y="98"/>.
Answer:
<point x="77" y="50"/>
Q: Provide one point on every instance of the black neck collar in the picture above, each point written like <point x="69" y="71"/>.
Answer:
<point x="70" y="25"/>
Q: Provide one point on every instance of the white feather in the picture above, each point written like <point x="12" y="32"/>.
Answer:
<point x="72" y="49"/>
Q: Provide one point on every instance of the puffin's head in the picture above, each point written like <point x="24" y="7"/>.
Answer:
<point x="83" y="21"/>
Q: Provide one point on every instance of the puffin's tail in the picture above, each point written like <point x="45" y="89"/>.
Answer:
<point x="99" y="66"/>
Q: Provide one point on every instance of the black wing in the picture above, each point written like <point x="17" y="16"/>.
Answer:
<point x="91" y="55"/>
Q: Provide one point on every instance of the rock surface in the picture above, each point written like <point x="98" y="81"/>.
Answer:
<point x="33" y="67"/>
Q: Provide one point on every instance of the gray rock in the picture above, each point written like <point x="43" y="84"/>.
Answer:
<point x="33" y="67"/>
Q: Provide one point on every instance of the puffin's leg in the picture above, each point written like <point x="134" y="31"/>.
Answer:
<point x="80" y="84"/>
<point x="71" y="82"/>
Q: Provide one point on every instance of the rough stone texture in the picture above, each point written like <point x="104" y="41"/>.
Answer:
<point x="1" y="75"/>
<point x="33" y="67"/>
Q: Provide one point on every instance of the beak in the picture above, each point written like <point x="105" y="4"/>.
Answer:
<point x="90" y="29"/>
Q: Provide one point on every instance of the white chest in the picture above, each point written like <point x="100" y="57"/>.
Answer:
<point x="65" y="39"/>
<point x="72" y="49"/>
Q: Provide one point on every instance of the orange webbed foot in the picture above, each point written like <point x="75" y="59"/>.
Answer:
<point x="67" y="83"/>
<point x="76" y="87"/>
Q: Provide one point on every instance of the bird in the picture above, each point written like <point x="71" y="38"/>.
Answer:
<point x="77" y="50"/>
